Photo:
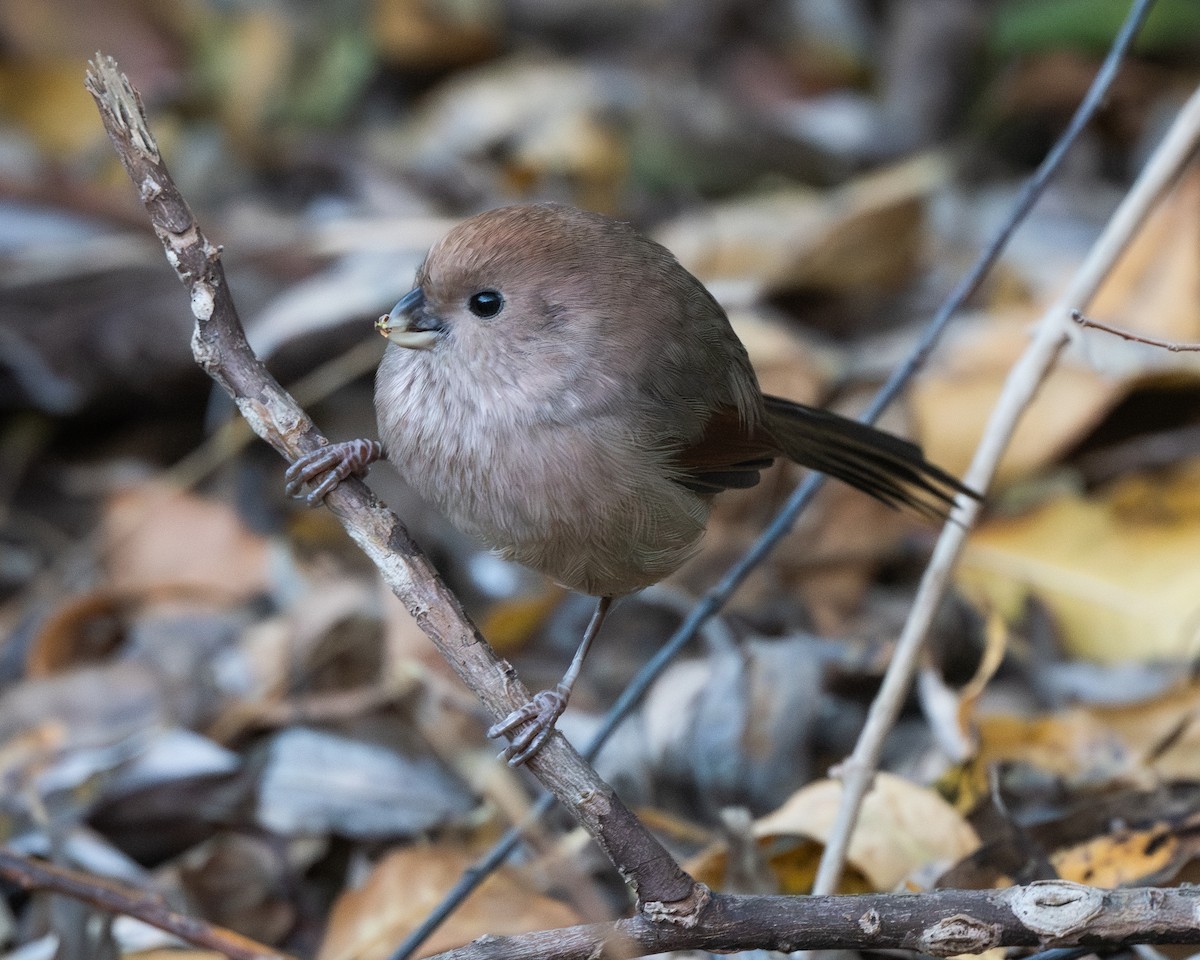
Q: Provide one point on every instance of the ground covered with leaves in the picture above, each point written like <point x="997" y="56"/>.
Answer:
<point x="206" y="692"/>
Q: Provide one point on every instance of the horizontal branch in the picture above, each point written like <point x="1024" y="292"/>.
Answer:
<point x="941" y="923"/>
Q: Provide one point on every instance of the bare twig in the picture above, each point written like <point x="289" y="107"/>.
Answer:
<point x="942" y="923"/>
<point x="1173" y="345"/>
<point x="1026" y="376"/>
<point x="220" y="347"/>
<point x="115" y="898"/>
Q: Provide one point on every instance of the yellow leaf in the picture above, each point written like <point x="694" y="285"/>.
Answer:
<point x="1158" y="740"/>
<point x="48" y="100"/>
<point x="1154" y="289"/>
<point x="509" y="623"/>
<point x="1118" y="859"/>
<point x="996" y="636"/>
<point x="433" y="34"/>
<point x="902" y="827"/>
<point x="1118" y="573"/>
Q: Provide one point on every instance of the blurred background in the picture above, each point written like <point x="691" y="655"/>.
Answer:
<point x="205" y="690"/>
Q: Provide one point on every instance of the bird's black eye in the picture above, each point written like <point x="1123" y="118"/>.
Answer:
<point x="485" y="304"/>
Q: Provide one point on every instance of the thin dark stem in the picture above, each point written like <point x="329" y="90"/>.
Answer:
<point x="120" y="900"/>
<point x="716" y="598"/>
<point x="1173" y="345"/>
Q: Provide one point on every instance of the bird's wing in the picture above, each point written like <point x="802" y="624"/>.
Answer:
<point x="730" y="453"/>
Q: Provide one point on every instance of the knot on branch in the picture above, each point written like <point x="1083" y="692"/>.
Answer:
<point x="960" y="934"/>
<point x="1054" y="909"/>
<point x="681" y="913"/>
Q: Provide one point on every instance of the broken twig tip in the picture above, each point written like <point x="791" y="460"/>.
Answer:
<point x="119" y="103"/>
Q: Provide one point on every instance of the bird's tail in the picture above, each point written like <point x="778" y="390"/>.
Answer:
<point x="888" y="468"/>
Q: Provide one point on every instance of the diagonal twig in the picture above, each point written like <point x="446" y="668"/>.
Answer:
<point x="219" y="345"/>
<point x="1022" y="383"/>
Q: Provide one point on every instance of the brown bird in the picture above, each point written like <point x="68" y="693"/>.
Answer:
<point x="565" y="391"/>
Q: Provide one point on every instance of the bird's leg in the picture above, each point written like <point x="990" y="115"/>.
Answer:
<point x="330" y="465"/>
<point x="535" y="720"/>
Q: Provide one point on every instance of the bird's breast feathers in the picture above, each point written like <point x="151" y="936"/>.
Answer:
<point x="573" y="494"/>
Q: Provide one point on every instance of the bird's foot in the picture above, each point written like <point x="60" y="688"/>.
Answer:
<point x="328" y="466"/>
<point x="530" y="726"/>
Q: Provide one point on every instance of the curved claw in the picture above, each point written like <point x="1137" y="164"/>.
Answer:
<point x="532" y="724"/>
<point x="328" y="466"/>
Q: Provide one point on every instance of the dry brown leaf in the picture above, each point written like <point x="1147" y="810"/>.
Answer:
<point x="367" y="923"/>
<point x="953" y="400"/>
<point x="865" y="235"/>
<point x="434" y="34"/>
<point x="41" y="68"/>
<point x="85" y="708"/>
<point x="1099" y="833"/>
<point x="550" y="124"/>
<point x="84" y="629"/>
<point x="240" y="882"/>
<point x="833" y="563"/>
<point x="792" y="863"/>
<point x="509" y="623"/>
<point x="155" y="536"/>
<point x="995" y="646"/>
<point x="92" y="627"/>
<point x="314" y="783"/>
<point x="67" y="736"/>
<point x="950" y="712"/>
<point x="1155" y="286"/>
<point x="1117" y="572"/>
<point x="1072" y="744"/>
<point x="967" y="699"/>
<point x="737" y="725"/>
<point x="903" y="827"/>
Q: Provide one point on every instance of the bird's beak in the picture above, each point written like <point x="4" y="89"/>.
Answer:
<point x="410" y="324"/>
